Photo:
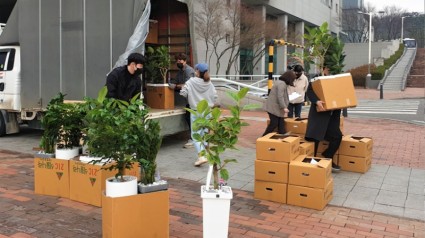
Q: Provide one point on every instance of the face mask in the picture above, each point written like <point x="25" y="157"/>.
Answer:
<point x="138" y="71"/>
<point x="180" y="65"/>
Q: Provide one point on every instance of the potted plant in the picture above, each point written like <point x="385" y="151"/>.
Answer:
<point x="62" y="124"/>
<point x="222" y="134"/>
<point x="51" y="125"/>
<point x="157" y="66"/>
<point x="121" y="132"/>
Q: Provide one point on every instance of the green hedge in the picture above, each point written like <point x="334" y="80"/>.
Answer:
<point x="379" y="72"/>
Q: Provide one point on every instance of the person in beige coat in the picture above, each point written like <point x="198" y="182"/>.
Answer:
<point x="277" y="102"/>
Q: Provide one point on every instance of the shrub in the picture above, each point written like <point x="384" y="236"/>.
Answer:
<point x="359" y="74"/>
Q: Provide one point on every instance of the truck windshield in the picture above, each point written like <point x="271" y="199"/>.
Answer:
<point x="4" y="66"/>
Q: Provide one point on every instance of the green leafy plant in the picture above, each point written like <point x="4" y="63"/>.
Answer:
<point x="334" y="57"/>
<point x="62" y="124"/>
<point x="157" y="64"/>
<point x="121" y="132"/>
<point x="222" y="131"/>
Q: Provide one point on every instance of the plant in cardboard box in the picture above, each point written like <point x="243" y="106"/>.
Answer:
<point x="222" y="134"/>
<point x="120" y="132"/>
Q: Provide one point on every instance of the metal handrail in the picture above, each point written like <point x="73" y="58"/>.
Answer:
<point x="238" y="84"/>
<point x="407" y="71"/>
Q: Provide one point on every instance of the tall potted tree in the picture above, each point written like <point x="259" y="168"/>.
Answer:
<point x="157" y="66"/>
<point x="222" y="135"/>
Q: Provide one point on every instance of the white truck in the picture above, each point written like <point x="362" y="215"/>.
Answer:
<point x="52" y="46"/>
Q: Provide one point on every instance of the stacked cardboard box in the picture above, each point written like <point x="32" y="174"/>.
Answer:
<point x="274" y="152"/>
<point x="310" y="182"/>
<point x="355" y="153"/>
<point x="73" y="179"/>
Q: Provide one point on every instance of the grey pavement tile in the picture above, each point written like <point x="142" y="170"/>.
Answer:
<point x="372" y="175"/>
<point x="394" y="188"/>
<point x="341" y="190"/>
<point x="415" y="214"/>
<point x="337" y="201"/>
<point x="394" y="170"/>
<point x="361" y="198"/>
<point x="415" y="188"/>
<point x="345" y="181"/>
<point x="237" y="184"/>
<point x="249" y="187"/>
<point x="415" y="202"/>
<point x="388" y="209"/>
<point x="369" y="183"/>
<point x="395" y="180"/>
<point x="391" y="198"/>
<point x="380" y="168"/>
<point x="418" y="174"/>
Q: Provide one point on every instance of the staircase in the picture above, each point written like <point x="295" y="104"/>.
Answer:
<point x="416" y="78"/>
<point x="396" y="78"/>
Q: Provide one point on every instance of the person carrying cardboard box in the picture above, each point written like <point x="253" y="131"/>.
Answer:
<point x="323" y="125"/>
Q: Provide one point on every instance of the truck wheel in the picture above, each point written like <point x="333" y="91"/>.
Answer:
<point x="2" y="125"/>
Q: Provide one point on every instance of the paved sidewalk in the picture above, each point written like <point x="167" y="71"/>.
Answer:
<point x="387" y="201"/>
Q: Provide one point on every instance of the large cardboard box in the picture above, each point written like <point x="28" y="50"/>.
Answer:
<point x="306" y="148"/>
<point x="270" y="191"/>
<point x="315" y="198"/>
<point x="303" y="172"/>
<point x="271" y="171"/>
<point x="141" y="215"/>
<point x="356" y="146"/>
<point x="51" y="177"/>
<point x="337" y="91"/>
<point x="277" y="147"/>
<point x="159" y="96"/>
<point x="152" y="37"/>
<point x="355" y="164"/>
<point x="296" y="125"/>
<point x="87" y="181"/>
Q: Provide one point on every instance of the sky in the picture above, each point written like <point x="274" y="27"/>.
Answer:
<point x="408" y="5"/>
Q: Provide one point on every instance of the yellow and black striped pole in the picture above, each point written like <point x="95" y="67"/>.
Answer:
<point x="272" y="43"/>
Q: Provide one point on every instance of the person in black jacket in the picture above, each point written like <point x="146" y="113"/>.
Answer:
<point x="124" y="82"/>
<point x="323" y="125"/>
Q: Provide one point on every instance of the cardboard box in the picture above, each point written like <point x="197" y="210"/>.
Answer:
<point x="152" y="37"/>
<point x="141" y="215"/>
<point x="355" y="164"/>
<point x="277" y="147"/>
<point x="51" y="177"/>
<point x="296" y="125"/>
<point x="87" y="181"/>
<point x="306" y="148"/>
<point x="270" y="191"/>
<point x="271" y="171"/>
<point x="303" y="173"/>
<point x="159" y="96"/>
<point x="337" y="91"/>
<point x="356" y="146"/>
<point x="315" y="198"/>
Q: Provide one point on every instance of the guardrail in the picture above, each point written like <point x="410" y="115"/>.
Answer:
<point x="407" y="70"/>
<point x="232" y="84"/>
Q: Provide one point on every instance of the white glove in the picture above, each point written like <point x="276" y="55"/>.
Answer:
<point x="172" y="85"/>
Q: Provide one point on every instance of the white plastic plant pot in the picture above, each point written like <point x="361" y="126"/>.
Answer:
<point x="116" y="188"/>
<point x="216" y="211"/>
<point x="67" y="153"/>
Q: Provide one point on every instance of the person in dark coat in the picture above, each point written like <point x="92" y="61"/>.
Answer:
<point x="277" y="102"/>
<point x="124" y="82"/>
<point x="323" y="125"/>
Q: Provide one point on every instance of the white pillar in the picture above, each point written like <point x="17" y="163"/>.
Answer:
<point x="281" y="51"/>
<point x="260" y="67"/>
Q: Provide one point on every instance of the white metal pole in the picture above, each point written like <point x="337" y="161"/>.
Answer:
<point x="370" y="41"/>
<point x="402" y="26"/>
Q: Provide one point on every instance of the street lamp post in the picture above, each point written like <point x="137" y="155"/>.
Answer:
<point x="402" y="26"/>
<point x="369" y="76"/>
